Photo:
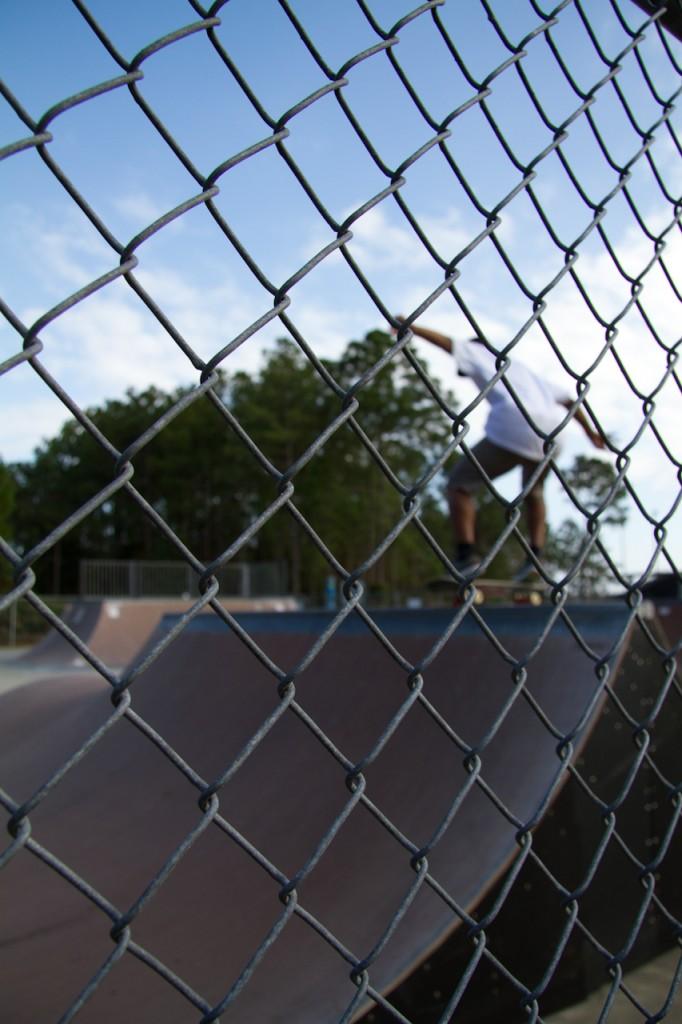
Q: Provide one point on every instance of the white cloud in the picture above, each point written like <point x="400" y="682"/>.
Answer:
<point x="105" y="345"/>
<point x="384" y="241"/>
<point x="31" y="414"/>
<point x="139" y="207"/>
<point x="327" y="330"/>
<point x="379" y="243"/>
<point x="54" y="259"/>
<point x="110" y="342"/>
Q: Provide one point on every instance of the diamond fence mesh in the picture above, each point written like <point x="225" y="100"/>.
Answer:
<point x="551" y="135"/>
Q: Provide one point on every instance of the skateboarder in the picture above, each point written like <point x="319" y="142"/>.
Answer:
<point x="509" y="441"/>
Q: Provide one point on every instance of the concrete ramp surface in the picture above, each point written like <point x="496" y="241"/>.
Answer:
<point x="288" y="810"/>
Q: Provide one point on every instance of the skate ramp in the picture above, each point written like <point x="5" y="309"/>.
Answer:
<point x="670" y="615"/>
<point x="122" y="811"/>
<point x="116" y="629"/>
<point x="53" y="650"/>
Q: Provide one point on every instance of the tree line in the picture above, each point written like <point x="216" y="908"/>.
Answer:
<point x="209" y="485"/>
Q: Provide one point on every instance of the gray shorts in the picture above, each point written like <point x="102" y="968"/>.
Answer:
<point x="494" y="461"/>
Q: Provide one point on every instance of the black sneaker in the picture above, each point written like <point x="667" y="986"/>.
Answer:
<point x="467" y="566"/>
<point x="526" y="572"/>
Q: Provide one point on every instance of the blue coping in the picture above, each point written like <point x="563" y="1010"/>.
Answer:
<point x="591" y="619"/>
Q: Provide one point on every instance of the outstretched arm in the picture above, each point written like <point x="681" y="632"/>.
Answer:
<point x="580" y="417"/>
<point x="441" y="340"/>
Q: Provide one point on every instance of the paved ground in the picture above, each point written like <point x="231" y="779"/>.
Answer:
<point x="649" y="984"/>
<point x="14" y="672"/>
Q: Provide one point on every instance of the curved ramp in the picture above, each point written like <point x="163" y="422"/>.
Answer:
<point x="115" y="629"/>
<point x="121" y="812"/>
<point x="670" y="615"/>
<point x="81" y="617"/>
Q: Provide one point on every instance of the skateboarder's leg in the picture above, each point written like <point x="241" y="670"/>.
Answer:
<point x="462" y="514"/>
<point x="465" y="479"/>
<point x="536" y="518"/>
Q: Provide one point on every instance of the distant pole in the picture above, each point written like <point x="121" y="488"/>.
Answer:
<point x="246" y="580"/>
<point x="12" y="639"/>
<point x="330" y="593"/>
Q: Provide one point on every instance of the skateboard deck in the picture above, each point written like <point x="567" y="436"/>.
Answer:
<point x="526" y="592"/>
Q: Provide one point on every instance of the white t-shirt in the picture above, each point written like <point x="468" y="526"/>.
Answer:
<point x="506" y="426"/>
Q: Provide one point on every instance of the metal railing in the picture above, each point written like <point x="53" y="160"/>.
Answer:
<point x="103" y="577"/>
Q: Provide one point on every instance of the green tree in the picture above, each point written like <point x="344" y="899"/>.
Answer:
<point x="282" y="409"/>
<point x="595" y="492"/>
<point x="342" y="493"/>
<point x="410" y="433"/>
<point x="69" y="470"/>
<point x="7" y="499"/>
<point x="209" y="483"/>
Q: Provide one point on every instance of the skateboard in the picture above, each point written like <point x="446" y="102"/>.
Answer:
<point x="527" y="592"/>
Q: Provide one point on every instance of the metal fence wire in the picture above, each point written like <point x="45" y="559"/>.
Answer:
<point x="631" y="154"/>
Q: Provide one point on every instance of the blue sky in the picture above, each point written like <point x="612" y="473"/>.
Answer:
<point x="130" y="177"/>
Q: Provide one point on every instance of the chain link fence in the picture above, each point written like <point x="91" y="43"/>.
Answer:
<point x="552" y="134"/>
